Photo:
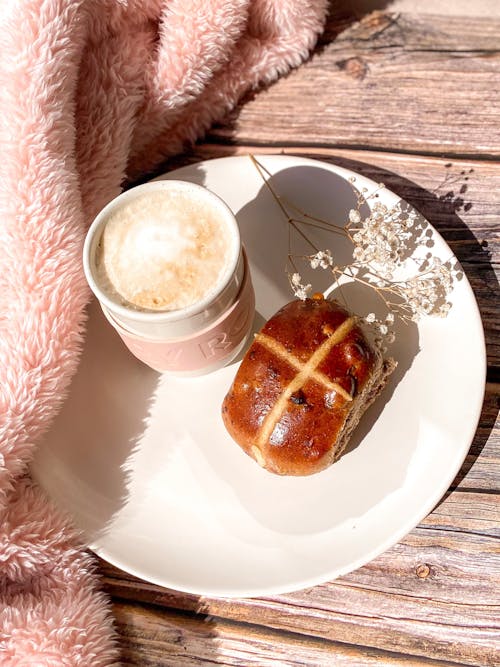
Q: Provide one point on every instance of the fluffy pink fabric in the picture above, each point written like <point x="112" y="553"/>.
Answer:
<point x="92" y="93"/>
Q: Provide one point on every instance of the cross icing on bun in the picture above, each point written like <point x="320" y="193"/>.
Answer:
<point x="303" y="386"/>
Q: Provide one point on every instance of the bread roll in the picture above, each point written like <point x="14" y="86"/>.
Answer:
<point x="302" y="387"/>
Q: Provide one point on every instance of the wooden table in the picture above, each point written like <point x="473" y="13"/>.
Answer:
<point x="412" y="101"/>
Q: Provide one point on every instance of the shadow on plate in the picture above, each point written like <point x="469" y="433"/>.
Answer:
<point x="84" y="455"/>
<point x="298" y="505"/>
<point x="443" y="207"/>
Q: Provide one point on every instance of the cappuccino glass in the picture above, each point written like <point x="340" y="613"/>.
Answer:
<point x="166" y="263"/>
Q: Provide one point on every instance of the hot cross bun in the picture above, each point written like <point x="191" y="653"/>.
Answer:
<point x="302" y="387"/>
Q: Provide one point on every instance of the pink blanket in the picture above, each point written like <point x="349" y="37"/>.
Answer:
<point x="93" y="93"/>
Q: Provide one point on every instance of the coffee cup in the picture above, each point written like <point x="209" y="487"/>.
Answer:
<point x="166" y="263"/>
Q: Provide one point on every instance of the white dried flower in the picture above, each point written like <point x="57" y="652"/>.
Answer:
<point x="300" y="291"/>
<point x="323" y="258"/>
<point x="383" y="244"/>
<point x="425" y="294"/>
<point x="354" y="216"/>
<point x="382" y="240"/>
<point x="444" y="310"/>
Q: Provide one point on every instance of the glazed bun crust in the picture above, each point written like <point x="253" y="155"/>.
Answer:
<point x="302" y="387"/>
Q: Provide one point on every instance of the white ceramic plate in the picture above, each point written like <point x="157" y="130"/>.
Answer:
<point x="144" y="465"/>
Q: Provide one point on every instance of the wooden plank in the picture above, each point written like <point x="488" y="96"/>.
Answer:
<point x="479" y="514"/>
<point x="436" y="594"/>
<point x="152" y="636"/>
<point x="426" y="84"/>
<point x="459" y="198"/>
<point x="481" y="468"/>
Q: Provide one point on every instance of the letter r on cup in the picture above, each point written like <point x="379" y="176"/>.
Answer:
<point x="210" y="347"/>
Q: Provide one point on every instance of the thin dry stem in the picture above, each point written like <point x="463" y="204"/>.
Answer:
<point x="412" y="304"/>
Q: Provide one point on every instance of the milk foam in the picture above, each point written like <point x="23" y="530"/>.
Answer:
<point x="164" y="250"/>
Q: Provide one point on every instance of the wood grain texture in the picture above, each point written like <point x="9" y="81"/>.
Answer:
<point x="433" y="595"/>
<point x="420" y="84"/>
<point x="481" y="468"/>
<point x="411" y="101"/>
<point x="163" y="638"/>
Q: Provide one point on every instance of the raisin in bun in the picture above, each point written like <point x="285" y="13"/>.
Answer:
<point x="302" y="387"/>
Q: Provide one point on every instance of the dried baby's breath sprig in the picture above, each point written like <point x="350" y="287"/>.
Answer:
<point x="383" y="244"/>
<point x="323" y="259"/>
<point x="381" y="239"/>
<point x="383" y="334"/>
<point x="300" y="291"/>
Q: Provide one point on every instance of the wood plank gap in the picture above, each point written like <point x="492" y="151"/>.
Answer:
<point x="456" y="531"/>
<point x="458" y="52"/>
<point x="212" y="147"/>
<point x="406" y="596"/>
<point x="493" y="374"/>
<point x="467" y="489"/>
<point x="215" y="140"/>
<point x="395" y="594"/>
